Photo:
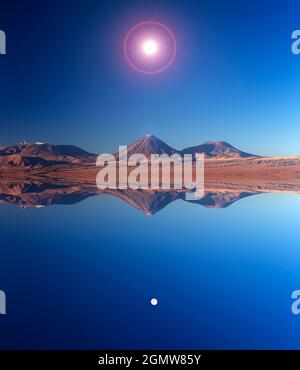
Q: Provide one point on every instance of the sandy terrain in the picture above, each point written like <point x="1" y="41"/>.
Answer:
<point x="226" y="181"/>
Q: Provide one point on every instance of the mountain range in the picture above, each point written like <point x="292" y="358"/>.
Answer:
<point x="151" y="144"/>
<point x="36" y="154"/>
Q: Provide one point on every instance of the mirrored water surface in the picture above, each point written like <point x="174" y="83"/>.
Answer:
<point x="79" y="268"/>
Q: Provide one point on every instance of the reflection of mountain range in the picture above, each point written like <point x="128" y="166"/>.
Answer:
<point x="28" y="155"/>
<point x="38" y="193"/>
<point x="43" y="192"/>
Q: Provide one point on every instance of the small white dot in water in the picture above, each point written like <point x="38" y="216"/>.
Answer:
<point x="154" y="301"/>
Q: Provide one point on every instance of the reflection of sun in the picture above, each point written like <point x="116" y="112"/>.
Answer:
<point x="150" y="47"/>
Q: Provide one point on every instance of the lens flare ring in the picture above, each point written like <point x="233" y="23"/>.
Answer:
<point x="161" y="48"/>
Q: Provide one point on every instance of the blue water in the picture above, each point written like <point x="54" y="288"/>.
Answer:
<point x="82" y="276"/>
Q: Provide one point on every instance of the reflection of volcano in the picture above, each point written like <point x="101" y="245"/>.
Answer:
<point x="42" y="192"/>
<point x="147" y="201"/>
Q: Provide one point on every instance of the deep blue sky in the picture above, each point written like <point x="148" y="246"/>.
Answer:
<point x="64" y="79"/>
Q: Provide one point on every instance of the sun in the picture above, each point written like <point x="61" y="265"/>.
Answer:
<point x="150" y="47"/>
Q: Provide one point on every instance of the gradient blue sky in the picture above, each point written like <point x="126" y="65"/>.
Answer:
<point x="64" y="79"/>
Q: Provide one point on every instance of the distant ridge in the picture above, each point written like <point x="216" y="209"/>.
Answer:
<point x="36" y="154"/>
<point x="28" y="149"/>
<point x="217" y="149"/>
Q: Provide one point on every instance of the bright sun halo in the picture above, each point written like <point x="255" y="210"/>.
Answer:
<point x="150" y="47"/>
